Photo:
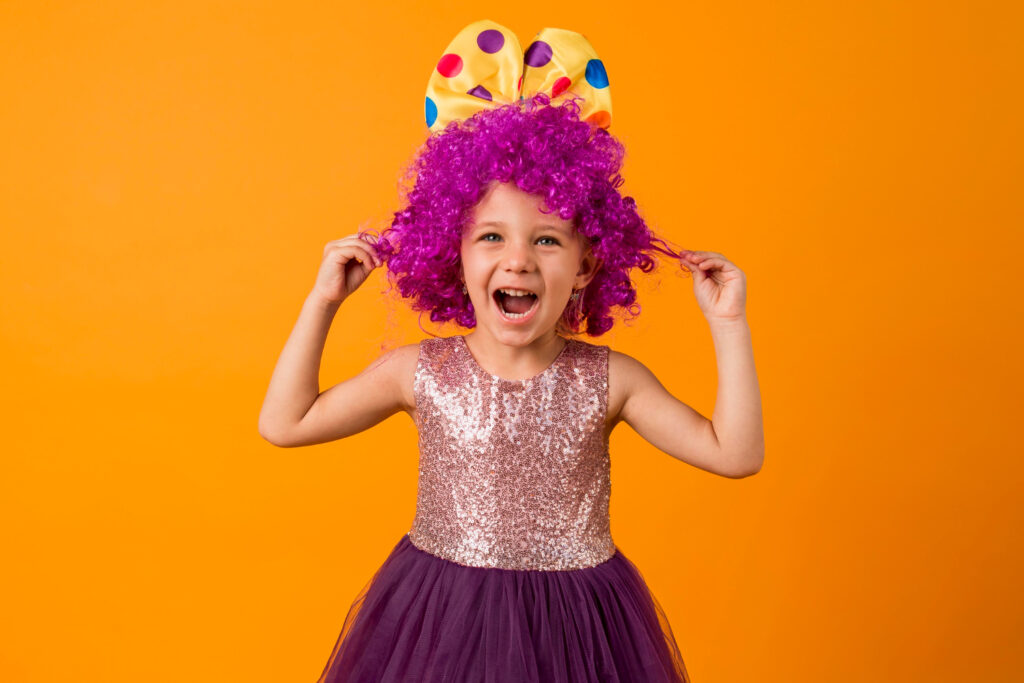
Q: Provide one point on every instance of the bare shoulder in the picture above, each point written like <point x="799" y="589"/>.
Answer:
<point x="628" y="378"/>
<point x="623" y="373"/>
<point x="399" y="366"/>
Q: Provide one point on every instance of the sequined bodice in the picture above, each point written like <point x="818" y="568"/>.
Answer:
<point x="513" y="473"/>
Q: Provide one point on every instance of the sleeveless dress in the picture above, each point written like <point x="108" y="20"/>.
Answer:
<point x="509" y="572"/>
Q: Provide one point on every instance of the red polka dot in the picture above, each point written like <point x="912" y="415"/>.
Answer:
<point x="600" y="119"/>
<point x="519" y="86"/>
<point x="449" y="65"/>
<point x="560" y="85"/>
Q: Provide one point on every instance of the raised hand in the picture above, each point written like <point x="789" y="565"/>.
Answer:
<point x="720" y="287"/>
<point x="346" y="264"/>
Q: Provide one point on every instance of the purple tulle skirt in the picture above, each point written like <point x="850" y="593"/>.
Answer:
<point x="426" y="619"/>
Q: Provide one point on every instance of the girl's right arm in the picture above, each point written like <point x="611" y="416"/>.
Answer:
<point x="294" y="411"/>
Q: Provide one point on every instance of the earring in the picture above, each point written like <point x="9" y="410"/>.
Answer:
<point x="464" y="290"/>
<point x="575" y="295"/>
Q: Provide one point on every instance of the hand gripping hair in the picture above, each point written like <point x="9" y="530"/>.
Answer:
<point x="492" y="116"/>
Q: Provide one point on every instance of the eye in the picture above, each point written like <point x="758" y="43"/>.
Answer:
<point x="494" y="234"/>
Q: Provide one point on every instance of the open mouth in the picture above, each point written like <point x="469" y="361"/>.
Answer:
<point x="515" y="304"/>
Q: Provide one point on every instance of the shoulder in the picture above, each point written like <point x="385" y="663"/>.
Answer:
<point x="623" y="364"/>
<point x="402" y="362"/>
<point x="629" y="372"/>
<point x="625" y="373"/>
<point x="399" y="368"/>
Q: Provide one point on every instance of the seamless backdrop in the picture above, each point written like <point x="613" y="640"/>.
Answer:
<point x="169" y="175"/>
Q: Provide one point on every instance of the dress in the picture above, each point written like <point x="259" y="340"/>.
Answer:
<point x="509" y="572"/>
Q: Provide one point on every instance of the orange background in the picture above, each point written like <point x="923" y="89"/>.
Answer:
<point x="169" y="175"/>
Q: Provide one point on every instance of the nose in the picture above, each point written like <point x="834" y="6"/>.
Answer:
<point x="518" y="256"/>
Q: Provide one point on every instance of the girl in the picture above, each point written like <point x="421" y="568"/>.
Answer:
<point x="514" y="229"/>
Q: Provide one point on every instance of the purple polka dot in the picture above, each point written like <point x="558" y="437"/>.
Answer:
<point x="538" y="54"/>
<point x="481" y="92"/>
<point x="490" y="41"/>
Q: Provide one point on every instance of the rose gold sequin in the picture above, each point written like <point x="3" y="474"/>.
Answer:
<point x="513" y="473"/>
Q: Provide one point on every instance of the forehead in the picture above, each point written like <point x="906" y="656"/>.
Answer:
<point x="504" y="203"/>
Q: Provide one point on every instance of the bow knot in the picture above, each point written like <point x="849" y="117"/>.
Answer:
<point x="484" y="67"/>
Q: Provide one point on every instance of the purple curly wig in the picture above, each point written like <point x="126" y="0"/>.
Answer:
<point x="546" y="151"/>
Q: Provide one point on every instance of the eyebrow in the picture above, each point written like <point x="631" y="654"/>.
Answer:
<point x="501" y="224"/>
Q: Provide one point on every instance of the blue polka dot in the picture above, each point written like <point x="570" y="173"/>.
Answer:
<point x="431" y="111"/>
<point x="596" y="75"/>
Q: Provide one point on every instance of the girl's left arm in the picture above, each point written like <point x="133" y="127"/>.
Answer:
<point x="731" y="443"/>
<point x="721" y="292"/>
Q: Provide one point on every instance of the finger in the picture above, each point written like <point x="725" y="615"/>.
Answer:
<point x="703" y="255"/>
<point x="371" y="257"/>
<point x="698" y="274"/>
<point x="376" y="254"/>
<point x="692" y="263"/>
<point x="347" y="252"/>
<point x="365" y="244"/>
<point x="368" y="256"/>
<point x="333" y="244"/>
<point x="724" y="264"/>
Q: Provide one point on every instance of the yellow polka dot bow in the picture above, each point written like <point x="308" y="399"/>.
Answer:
<point x="484" y="67"/>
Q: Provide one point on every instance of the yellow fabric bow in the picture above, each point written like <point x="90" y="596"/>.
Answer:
<point x="485" y="67"/>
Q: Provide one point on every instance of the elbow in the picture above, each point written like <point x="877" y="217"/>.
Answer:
<point x="271" y="436"/>
<point x="270" y="439"/>
<point x="747" y="473"/>
<point x="745" y="467"/>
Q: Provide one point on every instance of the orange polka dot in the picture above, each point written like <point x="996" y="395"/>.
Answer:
<point x="601" y="119"/>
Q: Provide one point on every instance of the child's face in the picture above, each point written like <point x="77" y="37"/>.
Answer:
<point x="509" y="243"/>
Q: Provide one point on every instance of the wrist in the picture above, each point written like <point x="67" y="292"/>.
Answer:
<point x="322" y="303"/>
<point x="728" y="324"/>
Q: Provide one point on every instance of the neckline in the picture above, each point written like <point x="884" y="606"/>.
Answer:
<point x="549" y="368"/>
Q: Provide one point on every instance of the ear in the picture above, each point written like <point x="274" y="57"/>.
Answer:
<point x="589" y="267"/>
